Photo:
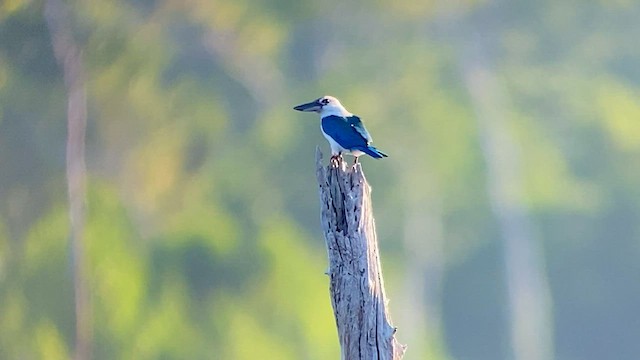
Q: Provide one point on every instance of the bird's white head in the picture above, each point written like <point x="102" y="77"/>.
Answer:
<point x="325" y="106"/>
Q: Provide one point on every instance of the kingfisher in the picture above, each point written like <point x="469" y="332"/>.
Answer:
<point x="344" y="131"/>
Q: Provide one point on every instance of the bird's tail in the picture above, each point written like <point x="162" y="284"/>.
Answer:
<point x="373" y="152"/>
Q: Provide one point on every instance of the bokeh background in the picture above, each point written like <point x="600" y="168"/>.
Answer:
<point x="507" y="213"/>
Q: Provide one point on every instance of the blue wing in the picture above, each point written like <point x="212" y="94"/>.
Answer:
<point x="351" y="134"/>
<point x="343" y="132"/>
<point x="355" y="122"/>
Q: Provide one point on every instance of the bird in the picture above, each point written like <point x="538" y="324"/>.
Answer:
<point x="345" y="132"/>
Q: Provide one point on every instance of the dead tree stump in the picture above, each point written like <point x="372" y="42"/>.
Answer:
<point x="356" y="284"/>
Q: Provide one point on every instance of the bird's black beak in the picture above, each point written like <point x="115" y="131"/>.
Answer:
<point x="312" y="106"/>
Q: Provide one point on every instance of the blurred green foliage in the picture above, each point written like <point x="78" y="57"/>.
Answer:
<point x="202" y="230"/>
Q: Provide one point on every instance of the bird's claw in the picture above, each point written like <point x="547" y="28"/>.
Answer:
<point x="335" y="160"/>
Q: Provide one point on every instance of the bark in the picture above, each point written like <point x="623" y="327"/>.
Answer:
<point x="356" y="284"/>
<point x="69" y="58"/>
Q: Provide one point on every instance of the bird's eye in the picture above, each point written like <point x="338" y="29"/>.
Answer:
<point x="325" y="101"/>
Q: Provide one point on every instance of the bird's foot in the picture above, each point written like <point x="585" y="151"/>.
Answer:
<point x="355" y="161"/>
<point x="335" y="160"/>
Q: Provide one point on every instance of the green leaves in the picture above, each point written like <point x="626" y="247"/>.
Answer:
<point x="202" y="228"/>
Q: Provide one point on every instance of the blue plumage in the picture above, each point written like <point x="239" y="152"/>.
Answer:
<point x="357" y="124"/>
<point x="350" y="133"/>
<point x="344" y="131"/>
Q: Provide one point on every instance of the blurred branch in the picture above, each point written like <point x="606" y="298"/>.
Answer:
<point x="70" y="59"/>
<point x="528" y="290"/>
<point x="424" y="268"/>
<point x="357" y="288"/>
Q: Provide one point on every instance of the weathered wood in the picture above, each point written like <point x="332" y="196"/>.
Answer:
<point x="356" y="284"/>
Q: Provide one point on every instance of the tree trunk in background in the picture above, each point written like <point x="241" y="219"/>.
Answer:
<point x="528" y="291"/>
<point x="70" y="59"/>
<point x="420" y="306"/>
<point x="356" y="284"/>
<point x="422" y="288"/>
